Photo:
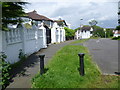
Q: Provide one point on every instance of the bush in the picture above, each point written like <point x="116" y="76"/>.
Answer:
<point x="117" y="28"/>
<point x="69" y="33"/>
<point x="4" y="68"/>
<point x="116" y="38"/>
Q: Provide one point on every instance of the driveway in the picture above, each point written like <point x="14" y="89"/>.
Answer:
<point x="105" y="54"/>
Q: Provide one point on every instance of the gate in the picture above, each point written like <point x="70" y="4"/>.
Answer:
<point x="48" y="35"/>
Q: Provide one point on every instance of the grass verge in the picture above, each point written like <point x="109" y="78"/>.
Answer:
<point x="63" y="71"/>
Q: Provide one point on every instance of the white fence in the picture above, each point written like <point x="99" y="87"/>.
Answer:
<point x="29" y="40"/>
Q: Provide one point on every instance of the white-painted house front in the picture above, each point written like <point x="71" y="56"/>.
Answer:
<point x="84" y="33"/>
<point x="58" y="31"/>
<point x="34" y="33"/>
<point x="116" y="33"/>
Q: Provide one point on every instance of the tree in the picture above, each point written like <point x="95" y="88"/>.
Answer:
<point x="117" y="27"/>
<point x="77" y="29"/>
<point x="11" y="11"/>
<point x="93" y="22"/>
<point x="69" y="33"/>
<point x="98" y="31"/>
<point x="109" y="33"/>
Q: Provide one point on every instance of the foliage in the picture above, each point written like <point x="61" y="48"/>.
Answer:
<point x="4" y="67"/>
<point x="77" y="29"/>
<point x="69" y="33"/>
<point x="117" y="27"/>
<point x="98" y="31"/>
<point x="11" y="11"/>
<point x="109" y="33"/>
<point x="116" y="38"/>
<point x="28" y="26"/>
<point x="93" y="22"/>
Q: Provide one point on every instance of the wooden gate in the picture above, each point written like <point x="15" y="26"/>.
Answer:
<point x="48" y="35"/>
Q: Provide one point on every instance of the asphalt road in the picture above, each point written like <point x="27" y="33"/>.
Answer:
<point x="105" y="54"/>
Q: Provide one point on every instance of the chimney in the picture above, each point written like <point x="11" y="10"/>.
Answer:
<point x="34" y="11"/>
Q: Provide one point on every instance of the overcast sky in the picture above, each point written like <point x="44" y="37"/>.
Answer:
<point x="104" y="11"/>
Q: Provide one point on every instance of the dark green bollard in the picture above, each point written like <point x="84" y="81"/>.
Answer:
<point x="41" y="64"/>
<point x="81" y="56"/>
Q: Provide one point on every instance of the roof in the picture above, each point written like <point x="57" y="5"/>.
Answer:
<point x="86" y="28"/>
<point x="33" y="15"/>
<point x="60" y="22"/>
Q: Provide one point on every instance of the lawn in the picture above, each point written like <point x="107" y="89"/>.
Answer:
<point x="63" y="71"/>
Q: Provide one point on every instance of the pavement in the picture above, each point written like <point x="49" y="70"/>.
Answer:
<point x="105" y="54"/>
<point x="23" y="74"/>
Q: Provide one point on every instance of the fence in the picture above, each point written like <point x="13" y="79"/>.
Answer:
<point x="21" y="38"/>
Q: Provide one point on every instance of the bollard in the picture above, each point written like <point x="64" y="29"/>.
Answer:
<point x="41" y="64"/>
<point x="81" y="56"/>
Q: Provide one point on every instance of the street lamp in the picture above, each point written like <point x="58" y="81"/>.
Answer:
<point x="81" y="23"/>
<point x="80" y="36"/>
<point x="105" y="32"/>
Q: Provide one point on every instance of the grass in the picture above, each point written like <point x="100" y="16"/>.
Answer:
<point x="63" y="71"/>
<point x="79" y="41"/>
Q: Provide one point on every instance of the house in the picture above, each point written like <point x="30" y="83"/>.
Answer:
<point x="84" y="32"/>
<point x="116" y="33"/>
<point x="47" y="23"/>
<point x="58" y="31"/>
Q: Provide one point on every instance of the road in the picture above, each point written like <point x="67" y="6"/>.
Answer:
<point x="104" y="53"/>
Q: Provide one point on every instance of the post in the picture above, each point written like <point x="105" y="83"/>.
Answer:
<point x="41" y="64"/>
<point x="81" y="56"/>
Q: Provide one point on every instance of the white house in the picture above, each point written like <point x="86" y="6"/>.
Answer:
<point x="34" y="33"/>
<point x="116" y="33"/>
<point x="58" y="31"/>
<point x="84" y="33"/>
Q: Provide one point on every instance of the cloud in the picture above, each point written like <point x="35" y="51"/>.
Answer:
<point x="104" y="11"/>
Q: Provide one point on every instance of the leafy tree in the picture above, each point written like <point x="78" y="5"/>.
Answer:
<point x="109" y="33"/>
<point x="69" y="33"/>
<point x="11" y="11"/>
<point x="117" y="27"/>
<point x="98" y="31"/>
<point x="93" y="22"/>
<point x="77" y="29"/>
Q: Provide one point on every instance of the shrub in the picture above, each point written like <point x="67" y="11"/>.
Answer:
<point x="69" y="33"/>
<point x="116" y="38"/>
<point x="4" y="68"/>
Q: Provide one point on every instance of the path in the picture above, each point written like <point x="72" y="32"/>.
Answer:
<point x="30" y="67"/>
<point x="105" y="54"/>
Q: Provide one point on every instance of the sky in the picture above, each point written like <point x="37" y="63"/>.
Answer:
<point x="72" y="11"/>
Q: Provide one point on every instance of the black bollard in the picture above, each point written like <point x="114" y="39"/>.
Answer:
<point x="41" y="64"/>
<point x="81" y="56"/>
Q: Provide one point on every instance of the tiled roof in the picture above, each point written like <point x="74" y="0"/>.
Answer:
<point x="33" y="15"/>
<point x="86" y="28"/>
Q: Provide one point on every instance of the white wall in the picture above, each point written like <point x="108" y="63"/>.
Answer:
<point x="57" y="34"/>
<point x="29" y="40"/>
<point x="83" y="35"/>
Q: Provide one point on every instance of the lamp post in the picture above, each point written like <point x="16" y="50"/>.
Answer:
<point x="81" y="23"/>
<point x="80" y="36"/>
<point x="105" y="32"/>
